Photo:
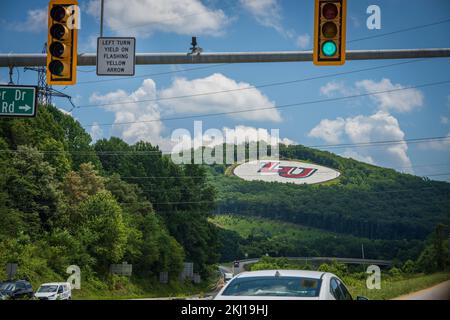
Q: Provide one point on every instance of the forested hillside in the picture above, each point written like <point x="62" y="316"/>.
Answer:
<point x="366" y="201"/>
<point x="65" y="201"/>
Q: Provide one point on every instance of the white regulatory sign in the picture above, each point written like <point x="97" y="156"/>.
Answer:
<point x="116" y="56"/>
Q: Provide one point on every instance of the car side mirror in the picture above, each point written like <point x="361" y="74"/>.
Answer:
<point x="361" y="298"/>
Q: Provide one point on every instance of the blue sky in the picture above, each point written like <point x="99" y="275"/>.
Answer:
<point x="254" y="25"/>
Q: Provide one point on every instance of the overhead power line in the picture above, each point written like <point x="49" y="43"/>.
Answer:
<point x="322" y="146"/>
<point x="225" y="64"/>
<point x="250" y="87"/>
<point x="206" y="115"/>
<point x="400" y="31"/>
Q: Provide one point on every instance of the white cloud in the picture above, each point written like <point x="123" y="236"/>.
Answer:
<point x="145" y="116"/>
<point x="356" y="156"/>
<point x="329" y="130"/>
<point x="303" y="41"/>
<point x="266" y="12"/>
<point x="442" y="145"/>
<point x="254" y="135"/>
<point x="445" y="120"/>
<point x="222" y="102"/>
<point x="145" y="17"/>
<point x="96" y="132"/>
<point x="239" y="135"/>
<point x="333" y="88"/>
<point x="362" y="129"/>
<point x="400" y="101"/>
<point x="36" y="21"/>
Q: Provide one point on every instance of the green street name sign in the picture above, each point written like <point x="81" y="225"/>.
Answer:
<point x="18" y="101"/>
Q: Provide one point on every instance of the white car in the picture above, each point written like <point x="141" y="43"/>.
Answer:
<point x="227" y="276"/>
<point x="54" y="291"/>
<point x="285" y="285"/>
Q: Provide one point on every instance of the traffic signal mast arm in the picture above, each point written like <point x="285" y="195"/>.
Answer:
<point x="90" y="59"/>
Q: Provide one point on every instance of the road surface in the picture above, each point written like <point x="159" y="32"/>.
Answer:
<point x="438" y="292"/>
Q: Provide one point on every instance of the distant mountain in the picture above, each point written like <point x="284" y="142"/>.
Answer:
<point x="365" y="201"/>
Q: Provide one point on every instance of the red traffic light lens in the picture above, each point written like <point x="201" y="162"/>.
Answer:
<point x="57" y="31"/>
<point x="58" y="13"/>
<point x="56" y="67"/>
<point x="329" y="30"/>
<point x="330" y="11"/>
<point x="57" y="49"/>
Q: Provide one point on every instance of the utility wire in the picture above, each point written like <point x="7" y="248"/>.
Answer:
<point x="273" y="84"/>
<point x="218" y="65"/>
<point x="324" y="146"/>
<point x="431" y="84"/>
<point x="400" y="31"/>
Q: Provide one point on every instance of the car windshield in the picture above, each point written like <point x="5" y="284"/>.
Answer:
<point x="48" y="288"/>
<point x="8" y="286"/>
<point x="274" y="287"/>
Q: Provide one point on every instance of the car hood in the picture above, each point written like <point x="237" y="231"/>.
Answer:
<point x="44" y="294"/>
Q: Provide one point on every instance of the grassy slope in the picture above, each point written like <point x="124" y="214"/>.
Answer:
<point x="393" y="288"/>
<point x="244" y="226"/>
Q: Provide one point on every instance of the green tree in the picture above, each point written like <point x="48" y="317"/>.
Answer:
<point x="102" y="230"/>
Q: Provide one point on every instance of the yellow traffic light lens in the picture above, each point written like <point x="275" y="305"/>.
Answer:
<point x="58" y="31"/>
<point x="329" y="48"/>
<point x="58" y="13"/>
<point x="329" y="30"/>
<point x="330" y="11"/>
<point x="56" y="67"/>
<point x="57" y="49"/>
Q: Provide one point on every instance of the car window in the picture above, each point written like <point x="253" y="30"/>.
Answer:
<point x="60" y="289"/>
<point x="274" y="287"/>
<point x="335" y="290"/>
<point x="8" y="286"/>
<point x="48" y="288"/>
<point x="345" y="294"/>
<point x="20" y="286"/>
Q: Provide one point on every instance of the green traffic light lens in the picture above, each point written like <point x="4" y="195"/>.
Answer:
<point x="56" y="67"/>
<point x="329" y="48"/>
<point x="329" y="30"/>
<point x="58" y="13"/>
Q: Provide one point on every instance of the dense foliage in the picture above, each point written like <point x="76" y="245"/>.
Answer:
<point x="64" y="201"/>
<point x="252" y="237"/>
<point x="365" y="201"/>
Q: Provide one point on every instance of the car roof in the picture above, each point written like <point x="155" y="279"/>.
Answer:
<point x="283" y="273"/>
<point x="54" y="283"/>
<point x="14" y="281"/>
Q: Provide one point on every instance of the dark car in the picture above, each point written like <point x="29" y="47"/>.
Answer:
<point x="16" y="289"/>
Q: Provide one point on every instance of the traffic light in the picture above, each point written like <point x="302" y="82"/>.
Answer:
<point x="329" y="32"/>
<point x="62" y="42"/>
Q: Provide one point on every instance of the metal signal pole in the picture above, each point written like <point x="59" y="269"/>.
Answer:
<point x="90" y="59"/>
